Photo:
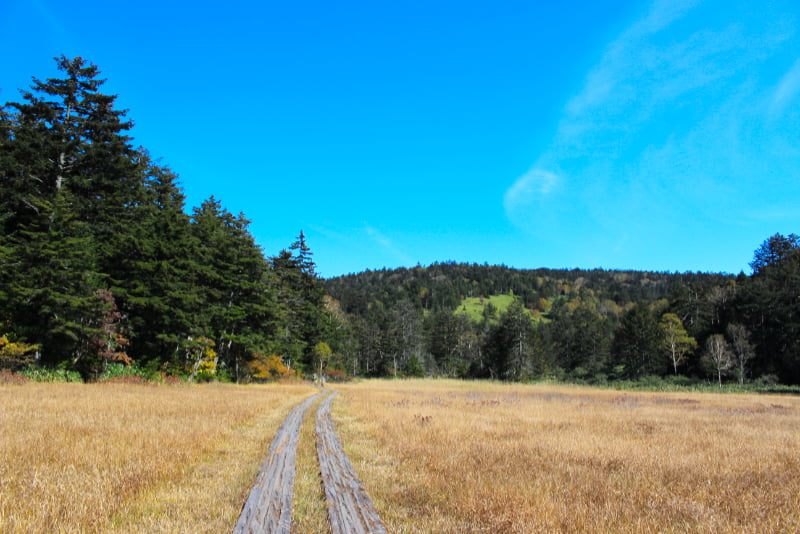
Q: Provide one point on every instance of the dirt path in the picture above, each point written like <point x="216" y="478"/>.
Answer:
<point x="349" y="507"/>
<point x="268" y="509"/>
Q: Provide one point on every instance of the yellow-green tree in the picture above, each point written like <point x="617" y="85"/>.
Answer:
<point x="322" y="353"/>
<point x="742" y="349"/>
<point x="677" y="342"/>
<point x="201" y="352"/>
<point x="16" y="355"/>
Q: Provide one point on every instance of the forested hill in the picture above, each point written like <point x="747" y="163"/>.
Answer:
<point x="587" y="325"/>
<point x="442" y="286"/>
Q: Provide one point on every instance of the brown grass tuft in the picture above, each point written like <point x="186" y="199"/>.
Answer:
<point x="9" y="378"/>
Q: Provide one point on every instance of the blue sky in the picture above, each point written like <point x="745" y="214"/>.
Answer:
<point x="658" y="135"/>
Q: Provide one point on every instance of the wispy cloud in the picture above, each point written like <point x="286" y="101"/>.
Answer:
<point x="376" y="236"/>
<point x="531" y="186"/>
<point x="689" y="114"/>
<point x="787" y="90"/>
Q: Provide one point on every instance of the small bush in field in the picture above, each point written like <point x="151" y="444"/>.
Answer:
<point x="45" y="374"/>
<point x="126" y="379"/>
<point x="337" y="375"/>
<point x="124" y="374"/>
<point x="269" y="367"/>
<point x="16" y="355"/>
<point x="7" y="377"/>
<point x="170" y="379"/>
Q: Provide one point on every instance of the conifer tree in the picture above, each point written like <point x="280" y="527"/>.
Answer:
<point x="514" y="345"/>
<point x="301" y="295"/>
<point x="69" y="175"/>
<point x="158" y="284"/>
<point x="238" y="290"/>
<point x="636" y="344"/>
<point x="100" y="262"/>
<point x="53" y="279"/>
<point x="770" y="304"/>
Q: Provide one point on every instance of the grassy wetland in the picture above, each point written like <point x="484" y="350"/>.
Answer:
<point x="455" y="457"/>
<point x="434" y="456"/>
<point x="133" y="458"/>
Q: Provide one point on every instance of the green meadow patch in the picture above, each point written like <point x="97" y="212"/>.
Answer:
<point x="494" y="306"/>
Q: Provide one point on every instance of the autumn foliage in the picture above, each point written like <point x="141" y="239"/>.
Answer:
<point x="16" y="355"/>
<point x="269" y="368"/>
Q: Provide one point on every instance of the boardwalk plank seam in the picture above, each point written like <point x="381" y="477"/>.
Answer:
<point x="349" y="507"/>
<point x="268" y="509"/>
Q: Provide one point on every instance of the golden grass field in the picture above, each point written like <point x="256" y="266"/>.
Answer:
<point x="133" y="458"/>
<point x="434" y="455"/>
<point x="460" y="457"/>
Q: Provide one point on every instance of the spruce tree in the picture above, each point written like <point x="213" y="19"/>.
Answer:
<point x="158" y="283"/>
<point x="637" y="343"/>
<point x="238" y="292"/>
<point x="69" y="180"/>
<point x="301" y="293"/>
<point x="53" y="279"/>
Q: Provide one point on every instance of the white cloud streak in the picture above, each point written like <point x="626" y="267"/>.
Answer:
<point x="682" y="114"/>
<point x="534" y="184"/>
<point x="787" y="90"/>
<point x="387" y="245"/>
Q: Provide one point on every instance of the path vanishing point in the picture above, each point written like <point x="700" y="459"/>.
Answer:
<point x="268" y="509"/>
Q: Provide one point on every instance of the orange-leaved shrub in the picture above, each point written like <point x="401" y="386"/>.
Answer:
<point x="269" y="367"/>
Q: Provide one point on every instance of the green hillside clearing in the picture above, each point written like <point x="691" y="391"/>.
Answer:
<point x="474" y="307"/>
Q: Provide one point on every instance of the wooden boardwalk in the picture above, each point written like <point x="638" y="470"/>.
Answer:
<point x="268" y="509"/>
<point x="349" y="508"/>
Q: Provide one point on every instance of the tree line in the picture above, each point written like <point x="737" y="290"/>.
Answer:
<point x="580" y="325"/>
<point x="100" y="262"/>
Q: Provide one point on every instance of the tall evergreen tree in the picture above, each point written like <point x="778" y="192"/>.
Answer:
<point x="770" y="305"/>
<point x="159" y="283"/>
<point x="443" y="329"/>
<point x="95" y="242"/>
<point x="514" y="345"/>
<point x="239" y="291"/>
<point x="301" y="294"/>
<point x="773" y="250"/>
<point x="636" y="344"/>
<point x="51" y="294"/>
<point x="69" y="177"/>
<point x="580" y="340"/>
<point x="68" y="135"/>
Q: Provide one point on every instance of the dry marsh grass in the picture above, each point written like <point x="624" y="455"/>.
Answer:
<point x="455" y="457"/>
<point x="128" y="458"/>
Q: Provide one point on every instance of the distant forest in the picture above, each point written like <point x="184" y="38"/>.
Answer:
<point x="103" y="267"/>
<point x="590" y="326"/>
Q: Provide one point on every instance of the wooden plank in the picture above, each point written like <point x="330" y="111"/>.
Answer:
<point x="268" y="509"/>
<point x="349" y="508"/>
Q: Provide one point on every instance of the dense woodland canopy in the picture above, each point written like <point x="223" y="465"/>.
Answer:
<point x="102" y="263"/>
<point x="580" y="325"/>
